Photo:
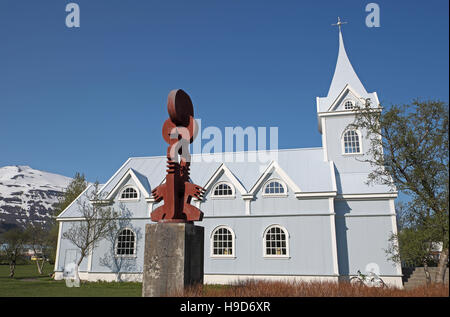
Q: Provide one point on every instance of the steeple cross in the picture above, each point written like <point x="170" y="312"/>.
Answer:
<point x="339" y="23"/>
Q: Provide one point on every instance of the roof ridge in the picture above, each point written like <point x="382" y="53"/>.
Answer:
<point x="234" y="152"/>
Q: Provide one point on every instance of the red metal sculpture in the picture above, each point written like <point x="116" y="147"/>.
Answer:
<point x="178" y="131"/>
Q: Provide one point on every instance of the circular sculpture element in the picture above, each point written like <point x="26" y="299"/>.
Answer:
<point x="181" y="124"/>
<point x="180" y="107"/>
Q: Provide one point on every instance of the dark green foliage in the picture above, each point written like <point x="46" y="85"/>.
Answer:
<point x="75" y="188"/>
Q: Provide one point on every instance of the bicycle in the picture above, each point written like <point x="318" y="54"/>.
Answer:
<point x="370" y="280"/>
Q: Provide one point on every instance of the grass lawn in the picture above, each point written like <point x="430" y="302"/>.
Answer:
<point x="27" y="282"/>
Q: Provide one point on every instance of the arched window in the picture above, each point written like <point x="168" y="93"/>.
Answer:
<point x="275" y="188"/>
<point x="129" y="193"/>
<point x="276" y="242"/>
<point x="351" y="142"/>
<point x="126" y="243"/>
<point x="223" y="190"/>
<point x="222" y="242"/>
<point x="349" y="105"/>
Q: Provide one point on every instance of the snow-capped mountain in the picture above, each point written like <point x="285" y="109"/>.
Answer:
<point x="27" y="194"/>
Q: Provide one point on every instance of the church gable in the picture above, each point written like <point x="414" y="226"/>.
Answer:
<point x="132" y="186"/>
<point x="128" y="191"/>
<point x="225" y="175"/>
<point x="276" y="173"/>
<point x="224" y="194"/>
<point x="274" y="186"/>
<point x="347" y="100"/>
<point x="222" y="187"/>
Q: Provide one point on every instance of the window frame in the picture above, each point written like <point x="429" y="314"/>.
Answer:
<point x="269" y="195"/>
<point x="134" y="255"/>
<point x="233" y="244"/>
<point x="233" y="192"/>
<point x="358" y="133"/>
<point x="129" y="199"/>
<point x="276" y="256"/>
<point x="353" y="104"/>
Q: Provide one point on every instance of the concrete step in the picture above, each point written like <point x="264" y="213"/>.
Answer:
<point x="417" y="277"/>
<point x="424" y="276"/>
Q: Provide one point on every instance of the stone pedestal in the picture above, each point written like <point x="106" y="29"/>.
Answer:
<point x="173" y="258"/>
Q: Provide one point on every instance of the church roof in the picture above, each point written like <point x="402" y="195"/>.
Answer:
<point x="304" y="166"/>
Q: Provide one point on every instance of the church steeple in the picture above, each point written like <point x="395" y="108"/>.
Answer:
<point x="346" y="90"/>
<point x="344" y="73"/>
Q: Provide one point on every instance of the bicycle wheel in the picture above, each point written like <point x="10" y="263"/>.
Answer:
<point x="381" y="283"/>
<point x="356" y="281"/>
<point x="377" y="281"/>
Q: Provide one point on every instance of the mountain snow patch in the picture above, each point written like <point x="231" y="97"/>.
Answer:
<point x="28" y="195"/>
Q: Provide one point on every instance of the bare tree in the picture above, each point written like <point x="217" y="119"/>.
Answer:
<point x="37" y="239"/>
<point x="14" y="244"/>
<point x="97" y="223"/>
<point x="117" y="263"/>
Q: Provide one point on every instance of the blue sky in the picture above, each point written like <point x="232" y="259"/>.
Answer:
<point x="86" y="99"/>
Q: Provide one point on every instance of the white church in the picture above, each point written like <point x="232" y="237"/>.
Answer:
<point x="306" y="215"/>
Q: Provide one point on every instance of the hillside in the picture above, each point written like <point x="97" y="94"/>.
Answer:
<point x="27" y="194"/>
